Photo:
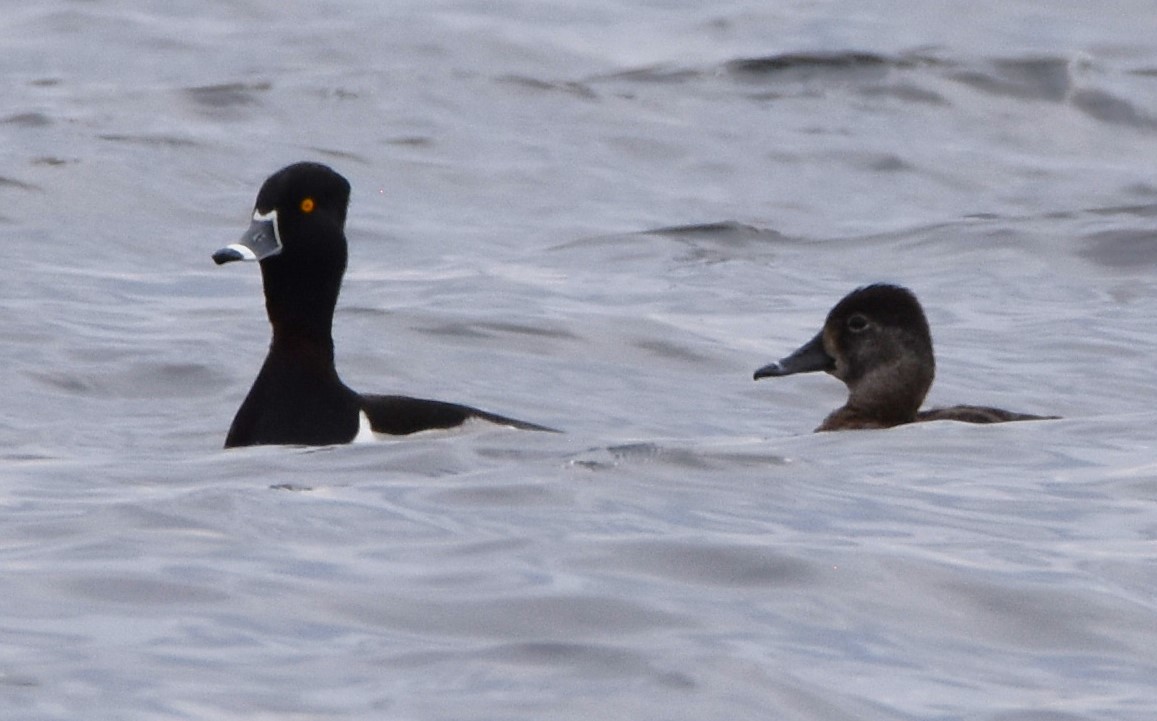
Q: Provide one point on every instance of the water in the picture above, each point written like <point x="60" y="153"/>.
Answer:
<point x="601" y="218"/>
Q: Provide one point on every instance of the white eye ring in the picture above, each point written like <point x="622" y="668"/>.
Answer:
<point x="857" y="323"/>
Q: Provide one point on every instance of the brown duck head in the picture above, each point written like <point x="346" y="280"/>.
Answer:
<point x="876" y="340"/>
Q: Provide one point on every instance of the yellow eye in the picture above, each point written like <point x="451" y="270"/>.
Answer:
<point x="307" y="205"/>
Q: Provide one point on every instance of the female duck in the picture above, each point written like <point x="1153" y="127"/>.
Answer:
<point x="876" y="340"/>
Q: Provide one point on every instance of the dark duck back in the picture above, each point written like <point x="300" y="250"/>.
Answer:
<point x="298" y="236"/>
<point x="876" y="340"/>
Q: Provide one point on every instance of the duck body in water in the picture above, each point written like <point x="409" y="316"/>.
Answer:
<point x="876" y="340"/>
<point x="298" y="236"/>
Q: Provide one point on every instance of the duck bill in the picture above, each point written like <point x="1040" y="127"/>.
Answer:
<point x="809" y="358"/>
<point x="261" y="241"/>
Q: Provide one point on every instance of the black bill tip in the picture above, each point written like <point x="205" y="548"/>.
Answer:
<point x="227" y="255"/>
<point x="771" y="370"/>
<point x="230" y="253"/>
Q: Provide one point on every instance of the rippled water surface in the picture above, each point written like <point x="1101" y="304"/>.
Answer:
<point x="601" y="217"/>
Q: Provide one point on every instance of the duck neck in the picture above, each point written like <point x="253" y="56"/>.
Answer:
<point x="311" y="351"/>
<point x="891" y="395"/>
<point x="300" y="303"/>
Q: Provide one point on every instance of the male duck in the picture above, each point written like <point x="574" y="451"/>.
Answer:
<point x="876" y="340"/>
<point x="298" y="236"/>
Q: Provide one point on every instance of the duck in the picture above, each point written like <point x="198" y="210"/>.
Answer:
<point x="297" y="236"/>
<point x="877" y="341"/>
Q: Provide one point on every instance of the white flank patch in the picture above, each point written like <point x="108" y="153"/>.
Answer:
<point x="367" y="434"/>
<point x="365" y="430"/>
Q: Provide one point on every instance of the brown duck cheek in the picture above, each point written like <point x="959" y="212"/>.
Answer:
<point x="840" y="363"/>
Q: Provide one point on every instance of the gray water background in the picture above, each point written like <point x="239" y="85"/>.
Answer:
<point x="603" y="217"/>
